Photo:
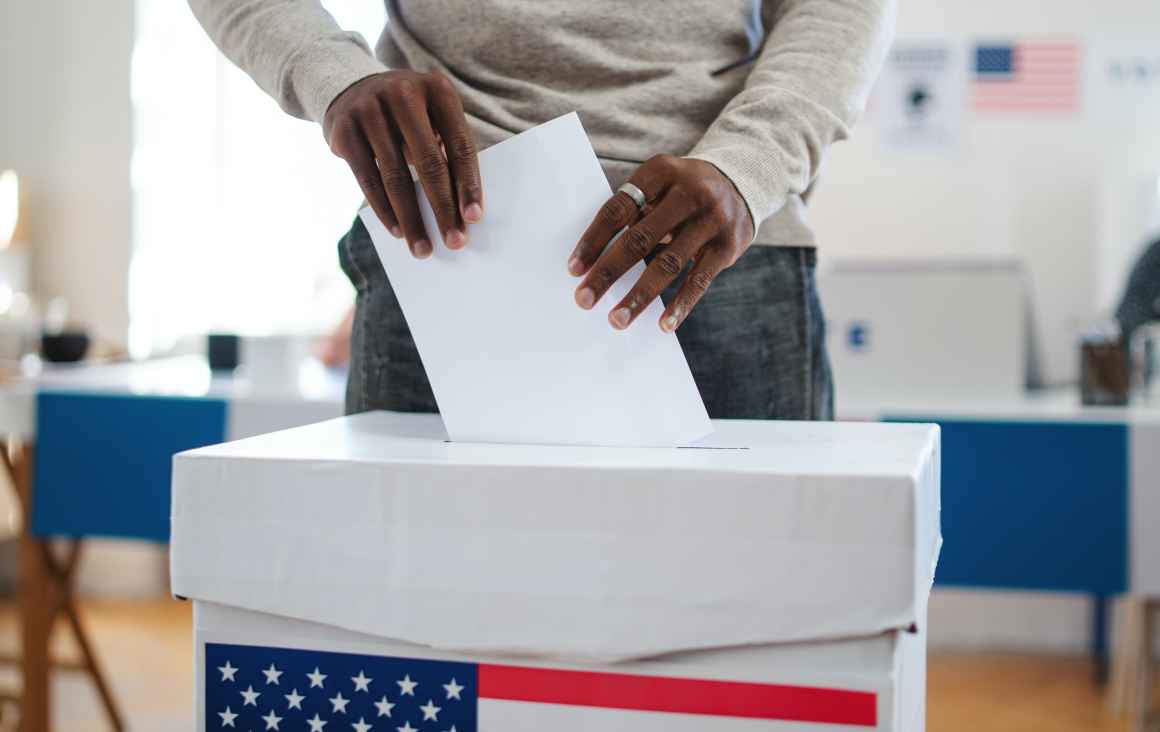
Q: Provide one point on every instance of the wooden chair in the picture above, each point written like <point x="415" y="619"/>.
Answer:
<point x="46" y="592"/>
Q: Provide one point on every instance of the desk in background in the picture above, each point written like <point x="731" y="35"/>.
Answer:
<point x="1042" y="493"/>
<point x="89" y="452"/>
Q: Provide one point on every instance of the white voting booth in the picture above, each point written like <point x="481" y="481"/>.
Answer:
<point x="365" y="573"/>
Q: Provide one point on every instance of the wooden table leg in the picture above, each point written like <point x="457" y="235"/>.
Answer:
<point x="1116" y="693"/>
<point x="46" y="584"/>
<point x="1099" y="640"/>
<point x="1141" y="712"/>
<point x="37" y="602"/>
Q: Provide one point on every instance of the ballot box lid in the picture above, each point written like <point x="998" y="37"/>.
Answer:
<point x="375" y="523"/>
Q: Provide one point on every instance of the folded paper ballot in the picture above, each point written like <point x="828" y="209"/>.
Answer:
<point x="510" y="356"/>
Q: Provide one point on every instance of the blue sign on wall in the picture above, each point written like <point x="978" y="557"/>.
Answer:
<point x="858" y="335"/>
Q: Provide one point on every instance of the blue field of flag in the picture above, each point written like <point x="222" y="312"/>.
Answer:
<point x="260" y="688"/>
<point x="994" y="60"/>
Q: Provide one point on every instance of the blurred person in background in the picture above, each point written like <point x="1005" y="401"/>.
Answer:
<point x="1140" y="304"/>
<point x="710" y="118"/>
<point x="333" y="349"/>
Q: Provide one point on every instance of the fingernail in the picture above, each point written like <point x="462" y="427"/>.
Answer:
<point x="575" y="266"/>
<point x="422" y="249"/>
<point x="669" y="324"/>
<point x="620" y="318"/>
<point x="455" y="239"/>
<point x="586" y="298"/>
<point x="473" y="213"/>
<point x="396" y="232"/>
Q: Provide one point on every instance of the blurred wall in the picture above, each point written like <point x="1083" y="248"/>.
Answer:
<point x="1025" y="184"/>
<point x="66" y="127"/>
<point x="1050" y="189"/>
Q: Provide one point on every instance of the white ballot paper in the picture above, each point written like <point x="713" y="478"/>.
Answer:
<point x="510" y="356"/>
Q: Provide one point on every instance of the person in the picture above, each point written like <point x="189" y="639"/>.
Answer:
<point x="711" y="119"/>
<point x="1140" y="303"/>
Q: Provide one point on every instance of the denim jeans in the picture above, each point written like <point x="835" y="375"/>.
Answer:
<point x="755" y="343"/>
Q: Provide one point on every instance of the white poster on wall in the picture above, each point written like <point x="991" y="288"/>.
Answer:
<point x="1122" y="80"/>
<point x="918" y="102"/>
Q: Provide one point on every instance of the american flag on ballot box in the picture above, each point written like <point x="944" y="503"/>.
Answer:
<point x="1027" y="76"/>
<point x="261" y="688"/>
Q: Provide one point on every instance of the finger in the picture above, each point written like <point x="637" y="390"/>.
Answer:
<point x="459" y="146"/>
<point x="709" y="263"/>
<point x="427" y="156"/>
<point x="665" y="267"/>
<point x="400" y="187"/>
<point x="631" y="247"/>
<point x="361" y="159"/>
<point x="616" y="213"/>
<point x="385" y="150"/>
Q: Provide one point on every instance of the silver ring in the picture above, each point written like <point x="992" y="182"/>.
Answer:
<point x="636" y="194"/>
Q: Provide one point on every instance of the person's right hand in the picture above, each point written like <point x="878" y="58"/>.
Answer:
<point x="381" y="123"/>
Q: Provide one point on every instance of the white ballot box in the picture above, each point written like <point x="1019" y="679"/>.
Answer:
<point x="365" y="573"/>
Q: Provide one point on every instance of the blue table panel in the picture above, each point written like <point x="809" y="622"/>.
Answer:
<point x="103" y="462"/>
<point x="1034" y="505"/>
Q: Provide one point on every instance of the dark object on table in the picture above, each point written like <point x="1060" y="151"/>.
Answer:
<point x="1104" y="378"/>
<point x="222" y="350"/>
<point x="67" y="346"/>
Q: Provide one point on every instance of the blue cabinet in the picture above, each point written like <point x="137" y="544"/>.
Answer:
<point x="1034" y="505"/>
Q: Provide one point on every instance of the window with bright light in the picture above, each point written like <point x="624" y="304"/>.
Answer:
<point x="237" y="206"/>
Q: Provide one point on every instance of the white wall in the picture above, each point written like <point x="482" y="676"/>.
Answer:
<point x="1027" y="184"/>
<point x="1048" y="189"/>
<point x="66" y="127"/>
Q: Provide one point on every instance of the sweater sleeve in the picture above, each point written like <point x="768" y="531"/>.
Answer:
<point x="293" y="49"/>
<point x="806" y="89"/>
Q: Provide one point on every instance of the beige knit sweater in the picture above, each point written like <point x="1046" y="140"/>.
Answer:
<point x="758" y="89"/>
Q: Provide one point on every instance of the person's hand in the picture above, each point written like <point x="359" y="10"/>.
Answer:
<point x="693" y="214"/>
<point x="381" y="123"/>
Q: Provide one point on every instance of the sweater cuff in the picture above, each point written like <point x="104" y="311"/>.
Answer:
<point x="759" y="181"/>
<point x="323" y="71"/>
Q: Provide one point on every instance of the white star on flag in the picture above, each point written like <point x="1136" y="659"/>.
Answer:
<point x="406" y="728"/>
<point x="407" y="686"/>
<point x="430" y="711"/>
<point x="272" y="675"/>
<point x="316" y="724"/>
<point x="384" y="706"/>
<point x="452" y="729"/>
<point x="294" y="699"/>
<point x="316" y="678"/>
<point x="361" y="726"/>
<point x="272" y="720"/>
<point x="339" y="703"/>
<point x="250" y="697"/>
<point x="361" y="682"/>
<point x="228" y="672"/>
<point x="228" y="718"/>
<point x="453" y="689"/>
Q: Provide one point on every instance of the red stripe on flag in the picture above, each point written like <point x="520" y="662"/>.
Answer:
<point x="677" y="695"/>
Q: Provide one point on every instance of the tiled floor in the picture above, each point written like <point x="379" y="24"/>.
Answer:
<point x="147" y="649"/>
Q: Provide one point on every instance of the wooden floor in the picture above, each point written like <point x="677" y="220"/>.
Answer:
<point x="146" y="647"/>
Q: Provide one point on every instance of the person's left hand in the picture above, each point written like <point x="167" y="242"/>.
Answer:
<point x="693" y="214"/>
